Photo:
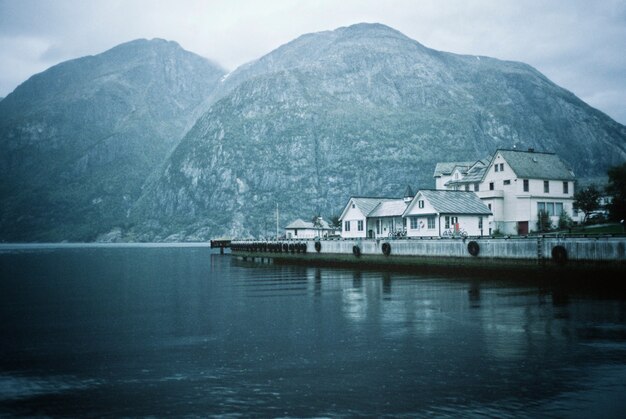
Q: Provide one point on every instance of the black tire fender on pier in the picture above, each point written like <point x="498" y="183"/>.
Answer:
<point x="386" y="247"/>
<point x="318" y="247"/>
<point x="356" y="250"/>
<point x="290" y="247"/>
<point x="473" y="248"/>
<point x="285" y="247"/>
<point x="303" y="247"/>
<point x="559" y="254"/>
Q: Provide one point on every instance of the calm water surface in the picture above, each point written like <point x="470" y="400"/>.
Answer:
<point x="178" y="331"/>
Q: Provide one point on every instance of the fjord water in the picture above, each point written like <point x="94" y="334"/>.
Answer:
<point x="180" y="331"/>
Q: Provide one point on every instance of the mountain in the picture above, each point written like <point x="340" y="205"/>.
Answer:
<point x="362" y="110"/>
<point x="78" y="140"/>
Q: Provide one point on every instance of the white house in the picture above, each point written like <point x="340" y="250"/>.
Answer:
<point x="301" y="229"/>
<point x="447" y="171"/>
<point x="374" y="217"/>
<point x="515" y="185"/>
<point x="437" y="213"/>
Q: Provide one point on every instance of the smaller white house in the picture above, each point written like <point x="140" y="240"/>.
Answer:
<point x="441" y="213"/>
<point x="354" y="218"/>
<point x="300" y="229"/>
<point x="374" y="217"/>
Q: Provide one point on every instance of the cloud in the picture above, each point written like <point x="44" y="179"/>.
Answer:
<point x="578" y="44"/>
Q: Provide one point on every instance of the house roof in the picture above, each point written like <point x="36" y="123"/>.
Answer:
<point x="391" y="208"/>
<point x="367" y="205"/>
<point x="446" y="168"/>
<point x="474" y="175"/>
<point x="299" y="223"/>
<point x="455" y="202"/>
<point x="536" y="165"/>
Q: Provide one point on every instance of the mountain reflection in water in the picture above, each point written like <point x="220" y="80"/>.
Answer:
<point x="175" y="331"/>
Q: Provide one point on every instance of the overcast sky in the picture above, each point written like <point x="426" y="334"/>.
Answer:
<point x="580" y="45"/>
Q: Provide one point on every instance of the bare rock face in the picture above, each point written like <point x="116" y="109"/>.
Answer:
<point x="150" y="142"/>
<point x="78" y="141"/>
<point x="361" y="110"/>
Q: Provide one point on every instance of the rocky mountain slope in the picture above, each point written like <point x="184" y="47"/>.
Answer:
<point x="78" y="140"/>
<point x="361" y="110"/>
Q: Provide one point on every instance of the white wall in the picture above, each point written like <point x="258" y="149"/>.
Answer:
<point x="516" y="204"/>
<point x="353" y="216"/>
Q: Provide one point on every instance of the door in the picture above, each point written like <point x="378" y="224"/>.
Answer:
<point x="522" y="228"/>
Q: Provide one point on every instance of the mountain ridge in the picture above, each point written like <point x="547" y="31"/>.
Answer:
<point x="353" y="114"/>
<point x="157" y="144"/>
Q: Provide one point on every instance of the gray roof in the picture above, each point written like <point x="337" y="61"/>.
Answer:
<point x="446" y="168"/>
<point x="299" y="223"/>
<point x="474" y="175"/>
<point x="367" y="205"/>
<point x="392" y="208"/>
<point x="455" y="202"/>
<point x="536" y="165"/>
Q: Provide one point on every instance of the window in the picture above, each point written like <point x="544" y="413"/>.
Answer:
<point x="526" y="185"/>
<point x="295" y="232"/>
<point x="497" y="167"/>
<point x="420" y="203"/>
<point x="546" y="186"/>
<point x="565" y="187"/>
<point x="467" y="187"/>
<point x="541" y="206"/>
<point x="414" y="223"/>
<point x="480" y="223"/>
<point x="346" y="226"/>
<point x="359" y="225"/>
<point x="431" y="222"/>
<point x="378" y="226"/>
<point x="558" y="208"/>
<point x="489" y="206"/>
<point x="353" y="206"/>
<point x="507" y="182"/>
<point x="502" y="167"/>
<point x="476" y="187"/>
<point x="491" y="186"/>
<point x="447" y="225"/>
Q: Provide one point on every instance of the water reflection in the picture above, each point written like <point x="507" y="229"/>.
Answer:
<point x="194" y="334"/>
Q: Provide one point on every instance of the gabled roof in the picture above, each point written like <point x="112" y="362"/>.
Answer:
<point x="446" y="168"/>
<point x="474" y="175"/>
<point x="392" y="208"/>
<point x="536" y="165"/>
<point x="367" y="205"/>
<point x="453" y="202"/>
<point x="299" y="223"/>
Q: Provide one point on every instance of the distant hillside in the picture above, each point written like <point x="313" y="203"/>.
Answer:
<point x="78" y="140"/>
<point x="361" y="110"/>
<point x="150" y="142"/>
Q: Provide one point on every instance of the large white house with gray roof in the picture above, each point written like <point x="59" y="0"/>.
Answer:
<point x="437" y="213"/>
<point x="515" y="185"/>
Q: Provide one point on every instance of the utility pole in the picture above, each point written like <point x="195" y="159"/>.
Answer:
<point x="277" y="221"/>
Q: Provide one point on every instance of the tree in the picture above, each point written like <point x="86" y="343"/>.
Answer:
<point x="334" y="221"/>
<point x="587" y="200"/>
<point x="617" y="189"/>
<point x="544" y="223"/>
<point x="317" y="221"/>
